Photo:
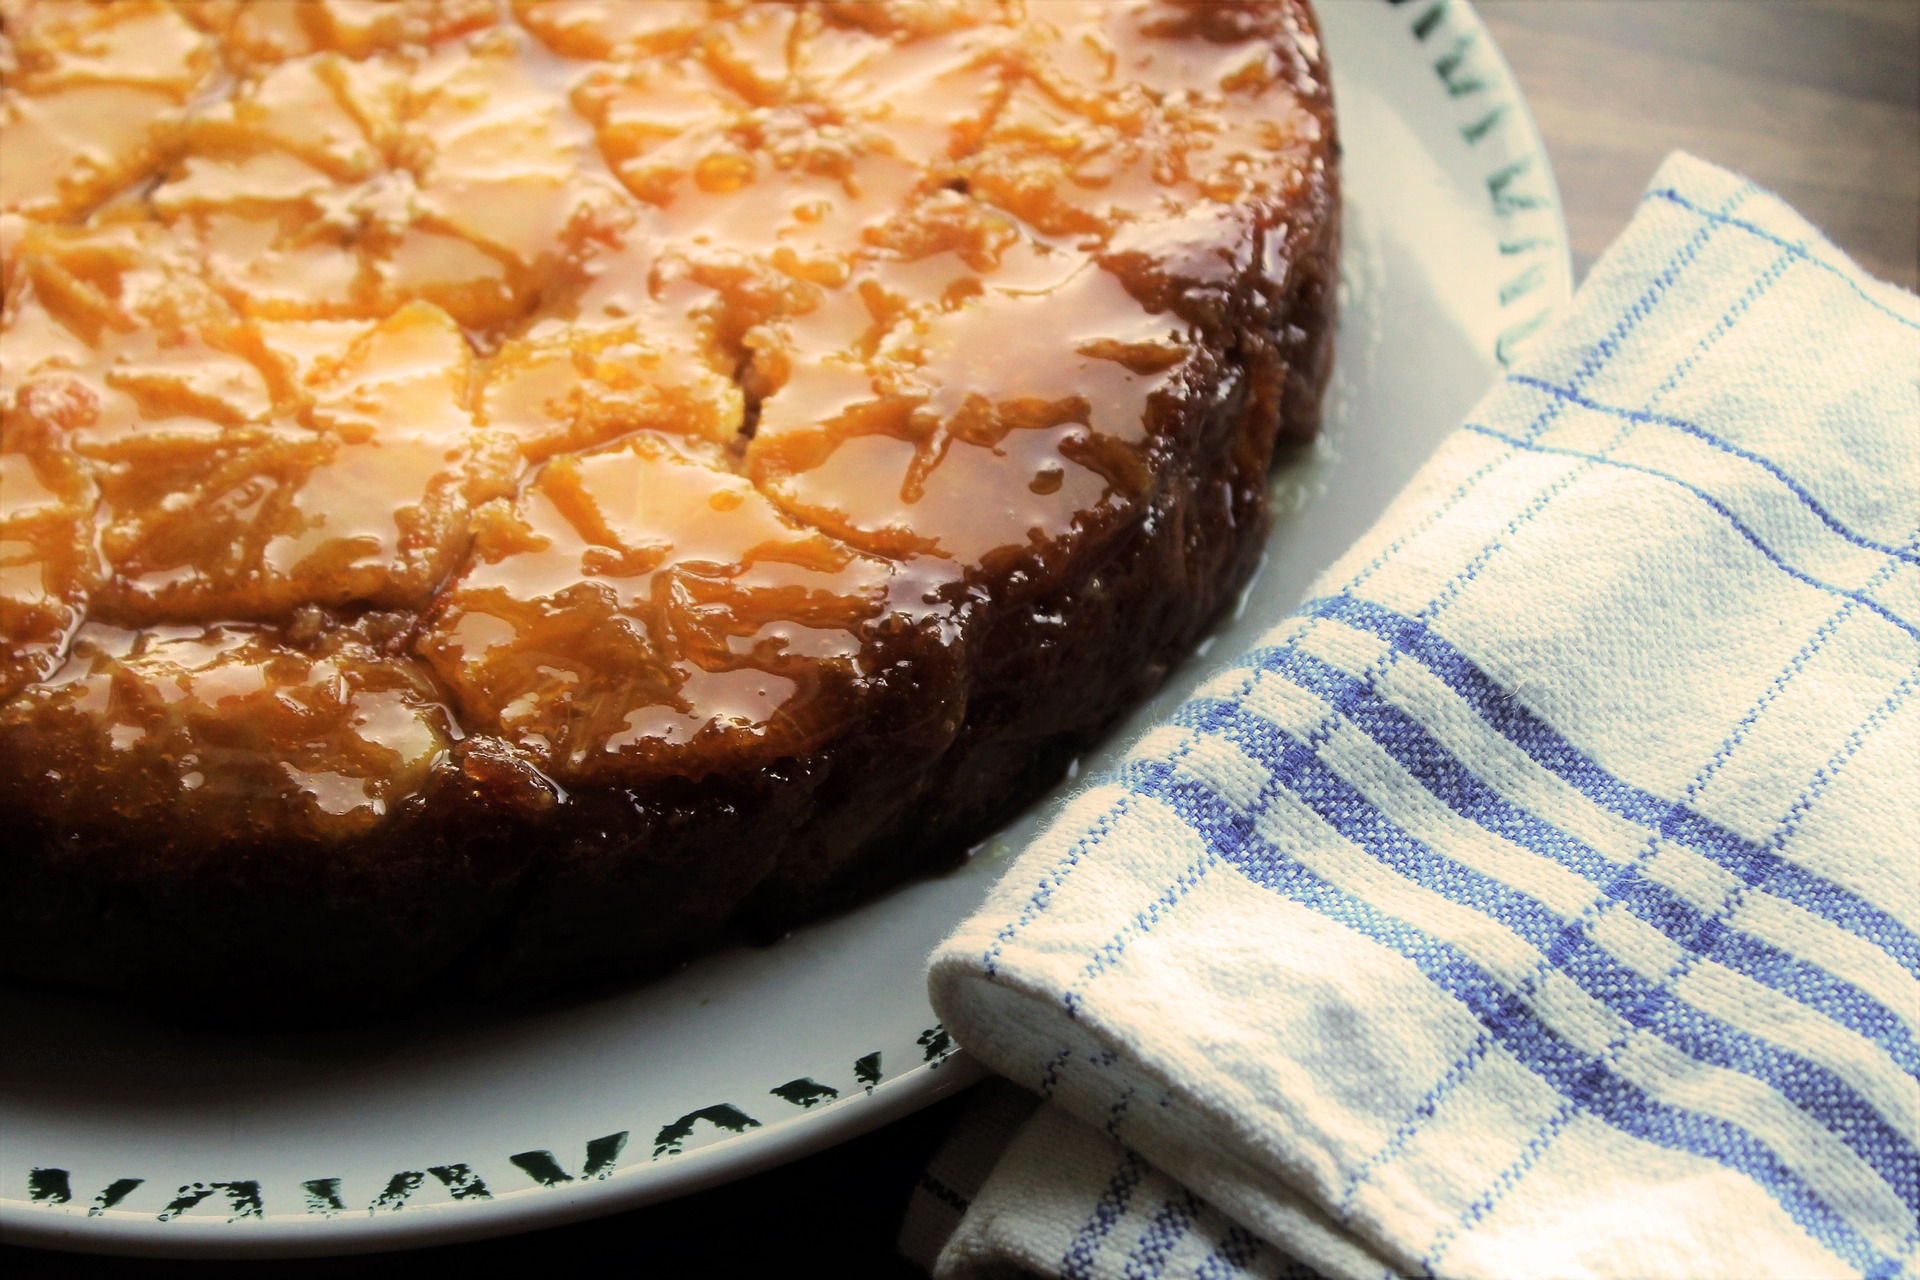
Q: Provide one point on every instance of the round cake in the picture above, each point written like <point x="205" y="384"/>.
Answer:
<point x="497" y="494"/>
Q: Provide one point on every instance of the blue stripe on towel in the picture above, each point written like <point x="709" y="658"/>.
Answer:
<point x="1231" y="1257"/>
<point x="1798" y="490"/>
<point x="1815" y="1089"/>
<point x="1455" y="785"/>
<point x="1576" y="1075"/>
<point x="1077" y="1262"/>
<point x="1801" y="251"/>
<point x="1726" y="513"/>
<point x="1751" y="862"/>
<point x="1162" y="1236"/>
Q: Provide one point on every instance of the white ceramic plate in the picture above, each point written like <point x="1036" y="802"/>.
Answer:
<point x="122" y="1135"/>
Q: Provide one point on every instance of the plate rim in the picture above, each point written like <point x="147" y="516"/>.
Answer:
<point x="1476" y="74"/>
<point x="533" y="1207"/>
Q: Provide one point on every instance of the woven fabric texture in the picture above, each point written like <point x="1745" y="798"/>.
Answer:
<point x="1540" y="897"/>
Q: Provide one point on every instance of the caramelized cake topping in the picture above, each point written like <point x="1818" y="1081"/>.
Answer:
<point x="601" y="376"/>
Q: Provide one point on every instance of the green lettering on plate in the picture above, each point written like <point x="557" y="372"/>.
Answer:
<point x="462" y="1183"/>
<point x="49" y="1186"/>
<point x="804" y="1092"/>
<point x="937" y="1043"/>
<point x="399" y="1187"/>
<point x="545" y="1170"/>
<point x="323" y="1196"/>
<point x="115" y="1192"/>
<point x="670" y="1139"/>
<point x="243" y="1199"/>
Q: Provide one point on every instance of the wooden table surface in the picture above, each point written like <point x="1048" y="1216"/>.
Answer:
<point x="1818" y="100"/>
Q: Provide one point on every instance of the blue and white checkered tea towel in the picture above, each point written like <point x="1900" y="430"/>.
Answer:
<point x="1540" y="898"/>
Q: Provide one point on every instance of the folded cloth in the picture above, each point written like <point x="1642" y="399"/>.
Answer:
<point x="1539" y="898"/>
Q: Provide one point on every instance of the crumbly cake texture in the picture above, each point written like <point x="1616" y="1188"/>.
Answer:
<point x="502" y="489"/>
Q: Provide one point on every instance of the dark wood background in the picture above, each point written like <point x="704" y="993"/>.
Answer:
<point x="1818" y="100"/>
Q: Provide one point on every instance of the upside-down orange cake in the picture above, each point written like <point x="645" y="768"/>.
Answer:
<point x="494" y="492"/>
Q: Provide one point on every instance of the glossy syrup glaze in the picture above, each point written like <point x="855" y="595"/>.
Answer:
<point x="600" y="377"/>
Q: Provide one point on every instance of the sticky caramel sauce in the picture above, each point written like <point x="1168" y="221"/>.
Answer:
<point x="593" y="374"/>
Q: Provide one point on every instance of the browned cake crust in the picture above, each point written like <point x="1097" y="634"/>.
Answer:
<point x="857" y="409"/>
